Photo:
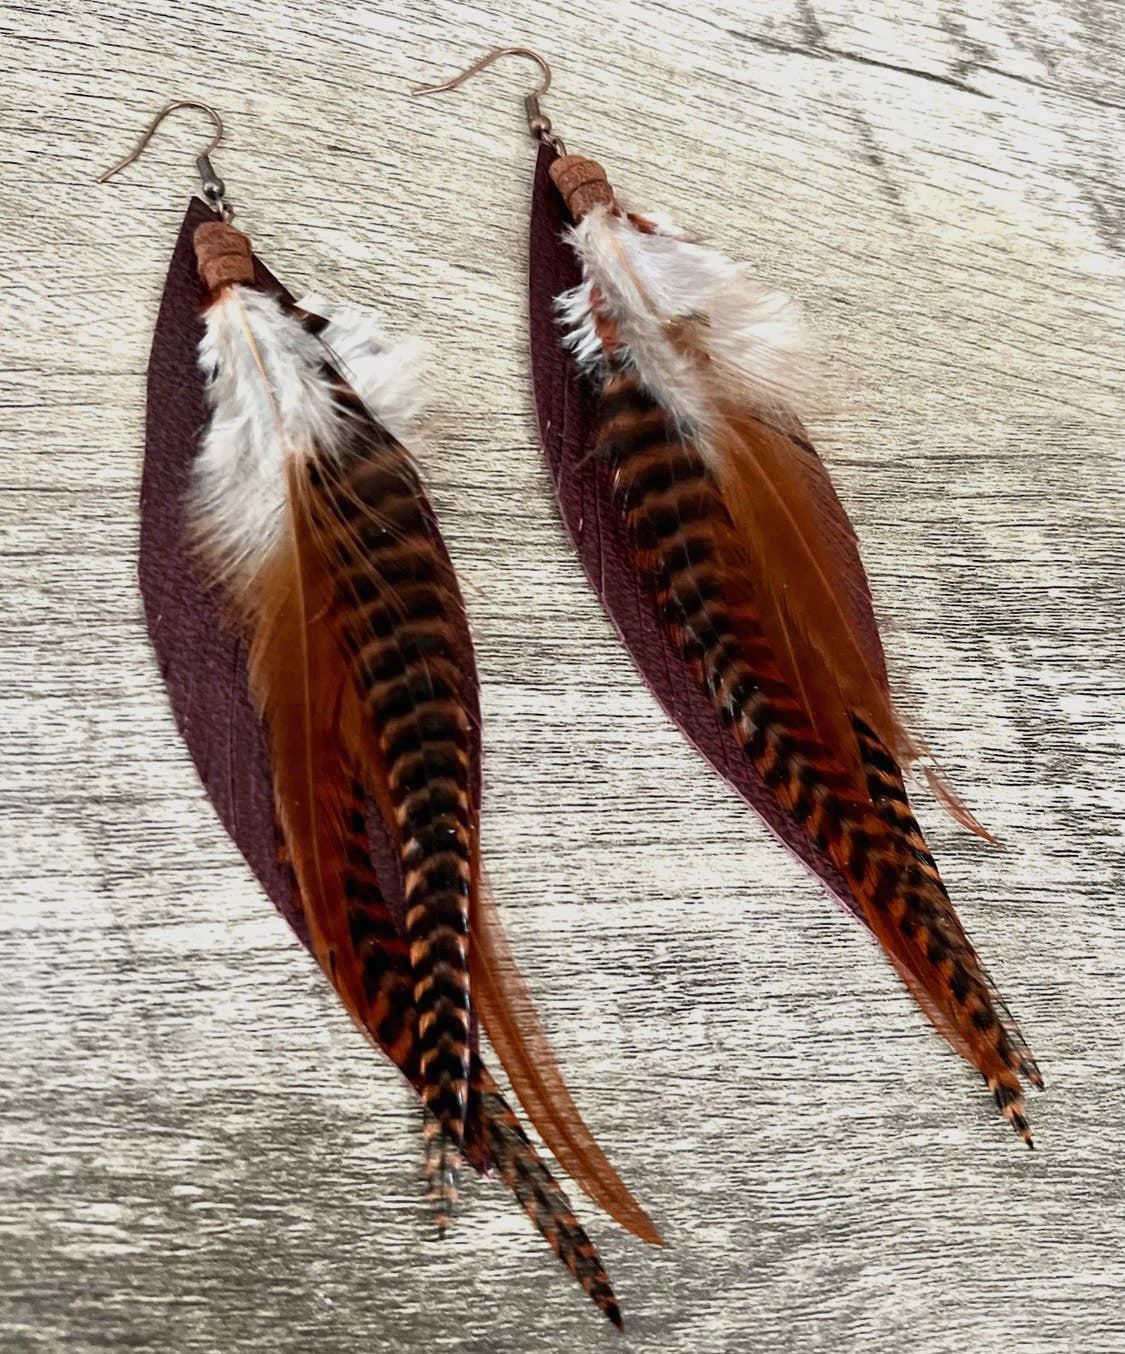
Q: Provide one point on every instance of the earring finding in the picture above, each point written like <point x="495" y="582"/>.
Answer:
<point x="538" y="124"/>
<point x="211" y="185"/>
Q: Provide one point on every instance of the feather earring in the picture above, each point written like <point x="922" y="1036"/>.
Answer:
<point x="314" y="644"/>
<point x="667" y="384"/>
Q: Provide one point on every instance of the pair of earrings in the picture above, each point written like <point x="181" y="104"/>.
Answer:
<point x="314" y="643"/>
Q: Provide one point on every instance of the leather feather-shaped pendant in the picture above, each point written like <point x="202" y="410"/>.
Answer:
<point x="313" y="641"/>
<point x="713" y="536"/>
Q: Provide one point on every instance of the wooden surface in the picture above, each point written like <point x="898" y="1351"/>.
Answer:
<point x="196" y="1151"/>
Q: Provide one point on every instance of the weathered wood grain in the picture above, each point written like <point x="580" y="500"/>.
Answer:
<point x="196" y="1152"/>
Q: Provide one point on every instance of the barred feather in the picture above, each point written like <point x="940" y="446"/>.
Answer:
<point x="349" y="660"/>
<point x="309" y="515"/>
<point x="374" y="973"/>
<point x="523" y="1171"/>
<point x="700" y="376"/>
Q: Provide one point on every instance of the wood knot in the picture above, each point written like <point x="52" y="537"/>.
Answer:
<point x="582" y="183"/>
<point x="222" y="255"/>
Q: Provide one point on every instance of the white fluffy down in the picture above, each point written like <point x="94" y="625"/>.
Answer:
<point x="389" y="377"/>
<point x="269" y="401"/>
<point x="650" y="284"/>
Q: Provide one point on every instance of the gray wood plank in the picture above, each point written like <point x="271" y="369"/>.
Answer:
<point x="196" y="1151"/>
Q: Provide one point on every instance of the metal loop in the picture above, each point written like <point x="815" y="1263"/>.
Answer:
<point x="487" y="61"/>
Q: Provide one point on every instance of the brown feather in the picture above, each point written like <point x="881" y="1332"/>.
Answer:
<point x="543" y="1200"/>
<point x="775" y="487"/>
<point x="356" y="665"/>
<point x="312" y="675"/>
<point x="377" y="963"/>
<point x="304" y="692"/>
<point x="762" y="474"/>
<point x="392" y="607"/>
<point x="691" y="554"/>
<point x="512" y="1024"/>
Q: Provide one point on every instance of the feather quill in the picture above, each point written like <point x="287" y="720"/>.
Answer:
<point x="736" y="539"/>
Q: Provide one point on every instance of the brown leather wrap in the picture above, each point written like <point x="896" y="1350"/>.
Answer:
<point x="582" y="183"/>
<point x="222" y="255"/>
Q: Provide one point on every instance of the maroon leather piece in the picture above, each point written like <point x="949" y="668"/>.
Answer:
<point x="566" y="404"/>
<point x="202" y="659"/>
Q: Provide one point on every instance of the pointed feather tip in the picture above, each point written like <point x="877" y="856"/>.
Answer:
<point x="1011" y="1107"/>
<point x="508" y="1016"/>
<point x="952" y="803"/>
<point x="1021" y="1127"/>
<point x="638" y="1222"/>
<point x="613" y="1313"/>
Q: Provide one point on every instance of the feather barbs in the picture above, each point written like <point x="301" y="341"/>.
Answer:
<point x="699" y="328"/>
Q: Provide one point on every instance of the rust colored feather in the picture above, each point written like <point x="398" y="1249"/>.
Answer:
<point x="396" y="631"/>
<point x="512" y="1024"/>
<point x="711" y="532"/>
<point x="786" y="563"/>
<point x="349" y="666"/>
<point x="692" y="556"/>
<point x="372" y="973"/>
<point x="353" y="667"/>
<point x="203" y="657"/>
<point x="774" y="487"/>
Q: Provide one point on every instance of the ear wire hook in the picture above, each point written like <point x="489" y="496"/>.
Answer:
<point x="538" y="124"/>
<point x="213" y="188"/>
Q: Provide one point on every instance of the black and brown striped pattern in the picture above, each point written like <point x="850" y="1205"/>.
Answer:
<point x="689" y="557"/>
<point x="397" y="604"/>
<point x="371" y="970"/>
<point x="378" y="965"/>
<point x="379" y="950"/>
<point x="888" y="795"/>
<point x="543" y="1200"/>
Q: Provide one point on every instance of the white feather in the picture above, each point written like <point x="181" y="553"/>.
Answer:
<point x="647" y="283"/>
<point x="388" y="376"/>
<point x="269" y="402"/>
